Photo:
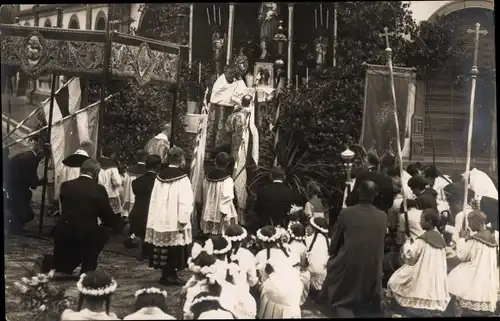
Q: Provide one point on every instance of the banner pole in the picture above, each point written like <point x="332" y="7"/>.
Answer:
<point x="48" y="154"/>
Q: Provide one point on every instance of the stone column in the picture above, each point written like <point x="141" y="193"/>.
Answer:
<point x="88" y="20"/>
<point x="289" y="60"/>
<point x="191" y="23"/>
<point x="230" y="29"/>
<point x="493" y="146"/>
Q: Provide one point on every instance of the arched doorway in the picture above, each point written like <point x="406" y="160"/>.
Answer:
<point x="74" y="23"/>
<point x="100" y="21"/>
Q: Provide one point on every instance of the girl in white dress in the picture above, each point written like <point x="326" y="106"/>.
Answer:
<point x="207" y="306"/>
<point x="317" y="252"/>
<point x="474" y="282"/>
<point x="280" y="292"/>
<point x="420" y="286"/>
<point x="207" y="279"/>
<point x="150" y="304"/>
<point x="297" y="244"/>
<point x="246" y="308"/>
<point x="96" y="289"/>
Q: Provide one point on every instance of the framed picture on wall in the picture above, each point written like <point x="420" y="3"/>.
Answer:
<point x="264" y="75"/>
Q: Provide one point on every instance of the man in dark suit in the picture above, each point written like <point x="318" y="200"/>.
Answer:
<point x="142" y="188"/>
<point x="354" y="271"/>
<point x="78" y="238"/>
<point x="385" y="196"/>
<point x="274" y="200"/>
<point x="22" y="177"/>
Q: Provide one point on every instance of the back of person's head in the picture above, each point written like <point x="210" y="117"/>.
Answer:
<point x="95" y="288"/>
<point x="455" y="193"/>
<point x="368" y="191"/>
<point x="167" y="128"/>
<point x="430" y="171"/>
<point x="297" y="214"/>
<point x="90" y="167"/>
<point x="417" y="182"/>
<point x="477" y="220"/>
<point x="425" y="201"/>
<point x="175" y="155"/>
<point x="141" y="155"/>
<point x="88" y="146"/>
<point x="109" y="151"/>
<point x="222" y="160"/>
<point x="430" y="219"/>
<point x="153" y="162"/>
<point x="388" y="161"/>
<point x="246" y="101"/>
<point x="312" y="189"/>
<point x="278" y="173"/>
<point x="205" y="302"/>
<point x="151" y="297"/>
<point x="372" y="158"/>
<point x="297" y="232"/>
<point x="489" y="206"/>
<point x="414" y="169"/>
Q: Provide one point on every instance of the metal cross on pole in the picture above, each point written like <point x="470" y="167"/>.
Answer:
<point x="388" y="52"/>
<point x="474" y="72"/>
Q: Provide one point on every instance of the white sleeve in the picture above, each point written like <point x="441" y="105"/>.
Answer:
<point x="227" y="196"/>
<point x="116" y="178"/>
<point x="186" y="201"/>
<point x="412" y="251"/>
<point x="464" y="249"/>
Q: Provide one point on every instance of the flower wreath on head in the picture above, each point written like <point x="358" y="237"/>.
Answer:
<point x="204" y="299"/>
<point x="110" y="288"/>
<point x="224" y="250"/>
<point x="208" y="271"/>
<point x="316" y="226"/>
<point x="237" y="238"/>
<point x="270" y="239"/>
<point x="292" y="235"/>
<point x="295" y="209"/>
<point x="151" y="290"/>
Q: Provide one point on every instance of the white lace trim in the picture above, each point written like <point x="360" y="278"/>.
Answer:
<point x="418" y="303"/>
<point x="476" y="306"/>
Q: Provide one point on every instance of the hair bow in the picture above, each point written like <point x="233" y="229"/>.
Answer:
<point x="295" y="209"/>
<point x="196" y="250"/>
<point x="209" y="247"/>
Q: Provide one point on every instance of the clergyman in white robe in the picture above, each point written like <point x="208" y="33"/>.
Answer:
<point x="482" y="185"/>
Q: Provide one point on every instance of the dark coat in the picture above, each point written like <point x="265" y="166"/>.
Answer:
<point x="354" y="270"/>
<point x="23" y="171"/>
<point x="83" y="200"/>
<point x="385" y="197"/>
<point x="273" y="204"/>
<point x="142" y="188"/>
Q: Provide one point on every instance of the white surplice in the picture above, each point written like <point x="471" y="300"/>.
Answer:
<point x="421" y="283"/>
<point x="299" y="249"/>
<point x="218" y="206"/>
<point x="404" y="185"/>
<point x="275" y="254"/>
<point x="475" y="281"/>
<point x="171" y="204"/>
<point x="248" y="267"/>
<point x="459" y="222"/>
<point x="227" y="299"/>
<point x="413" y="223"/>
<point x="317" y="259"/>
<point x="222" y="91"/>
<point x="482" y="185"/>
<point x="439" y="184"/>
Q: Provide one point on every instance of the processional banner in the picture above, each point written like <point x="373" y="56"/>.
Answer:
<point x="378" y="128"/>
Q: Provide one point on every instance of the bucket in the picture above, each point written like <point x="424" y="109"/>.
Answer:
<point x="192" y="107"/>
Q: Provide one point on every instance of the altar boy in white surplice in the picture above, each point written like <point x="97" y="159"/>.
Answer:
<point x="218" y="195"/>
<point x="474" y="282"/>
<point x="420" y="286"/>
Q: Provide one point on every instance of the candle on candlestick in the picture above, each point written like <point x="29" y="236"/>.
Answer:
<point x="316" y="18"/>
<point x="307" y="76"/>
<point x="321" y="14"/>
<point x="220" y="16"/>
<point x="199" y="73"/>
<point x="297" y="82"/>
<point x="208" y="17"/>
<point x="215" y="17"/>
<point x="327" y="17"/>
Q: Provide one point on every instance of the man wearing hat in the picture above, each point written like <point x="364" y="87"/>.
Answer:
<point x="168" y="227"/>
<point x="160" y="144"/>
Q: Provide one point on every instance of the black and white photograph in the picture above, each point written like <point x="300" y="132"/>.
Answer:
<point x="249" y="160"/>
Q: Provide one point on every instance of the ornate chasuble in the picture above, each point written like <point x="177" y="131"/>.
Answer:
<point x="159" y="145"/>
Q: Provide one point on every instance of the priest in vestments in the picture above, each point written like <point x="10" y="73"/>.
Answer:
<point x="160" y="144"/>
<point x="168" y="227"/>
<point x="221" y="107"/>
<point x="353" y="284"/>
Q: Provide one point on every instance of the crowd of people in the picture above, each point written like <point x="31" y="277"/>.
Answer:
<point x="409" y="233"/>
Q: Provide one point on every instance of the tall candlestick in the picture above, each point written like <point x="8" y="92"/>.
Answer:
<point x="327" y="17"/>
<point x="307" y="76"/>
<point x="199" y="73"/>
<point x="208" y="17"/>
<point x="220" y="16"/>
<point x="316" y="18"/>
<point x="297" y="82"/>
<point x="215" y="12"/>
<point x="321" y="14"/>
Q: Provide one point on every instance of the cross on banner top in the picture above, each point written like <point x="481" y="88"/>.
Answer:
<point x="478" y="32"/>
<point x="386" y="35"/>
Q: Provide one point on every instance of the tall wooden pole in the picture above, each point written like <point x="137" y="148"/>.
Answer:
<point x="175" y="96"/>
<point x="493" y="146"/>
<point x="230" y="31"/>
<point x="388" y="52"/>
<point x="48" y="146"/>
<point x="104" y="82"/>
<point x="289" y="61"/>
<point x="191" y="24"/>
<point x="334" y="47"/>
<point x="474" y="72"/>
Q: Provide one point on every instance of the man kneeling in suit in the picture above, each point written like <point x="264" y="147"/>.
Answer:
<point x="78" y="238"/>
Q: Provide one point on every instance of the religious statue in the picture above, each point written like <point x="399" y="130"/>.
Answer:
<point x="321" y="46"/>
<point x="34" y="48"/>
<point x="241" y="63"/>
<point x="268" y="18"/>
<point x="218" y="42"/>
